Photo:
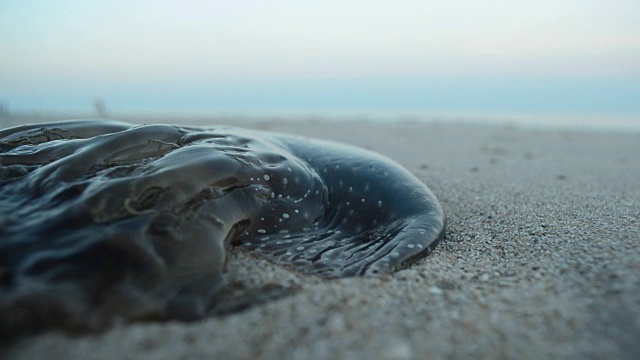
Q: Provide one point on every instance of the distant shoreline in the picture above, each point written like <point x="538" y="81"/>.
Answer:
<point x="598" y="122"/>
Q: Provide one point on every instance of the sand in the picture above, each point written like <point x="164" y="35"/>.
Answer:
<point x="541" y="260"/>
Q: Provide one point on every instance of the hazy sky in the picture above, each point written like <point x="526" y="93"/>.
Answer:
<point x="529" y="56"/>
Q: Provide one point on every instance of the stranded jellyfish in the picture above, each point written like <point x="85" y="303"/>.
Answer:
<point x="104" y="219"/>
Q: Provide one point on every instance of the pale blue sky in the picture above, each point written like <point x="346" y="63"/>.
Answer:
<point x="490" y="56"/>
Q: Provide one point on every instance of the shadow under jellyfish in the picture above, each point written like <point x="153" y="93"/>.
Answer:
<point x="104" y="219"/>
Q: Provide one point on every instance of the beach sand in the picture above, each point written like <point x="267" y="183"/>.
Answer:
<point x="541" y="260"/>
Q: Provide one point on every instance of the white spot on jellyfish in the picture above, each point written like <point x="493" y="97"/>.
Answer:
<point x="251" y="179"/>
<point x="264" y="238"/>
<point x="313" y="251"/>
<point x="285" y="215"/>
<point x="266" y="177"/>
<point x="300" y="248"/>
<point x="350" y="188"/>
<point x="287" y="236"/>
<point x="348" y="203"/>
<point x="411" y="246"/>
<point x="394" y="254"/>
<point x="285" y="181"/>
<point x="288" y="168"/>
<point x="273" y="194"/>
<point x="262" y="231"/>
<point x="379" y="203"/>
<point x="422" y="232"/>
<point x="296" y="211"/>
<point x="362" y="200"/>
<point x="420" y="246"/>
<point x="262" y="219"/>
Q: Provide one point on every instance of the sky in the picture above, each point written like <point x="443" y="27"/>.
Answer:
<point x="560" y="56"/>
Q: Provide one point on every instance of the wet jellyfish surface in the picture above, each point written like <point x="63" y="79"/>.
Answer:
<point x="103" y="219"/>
